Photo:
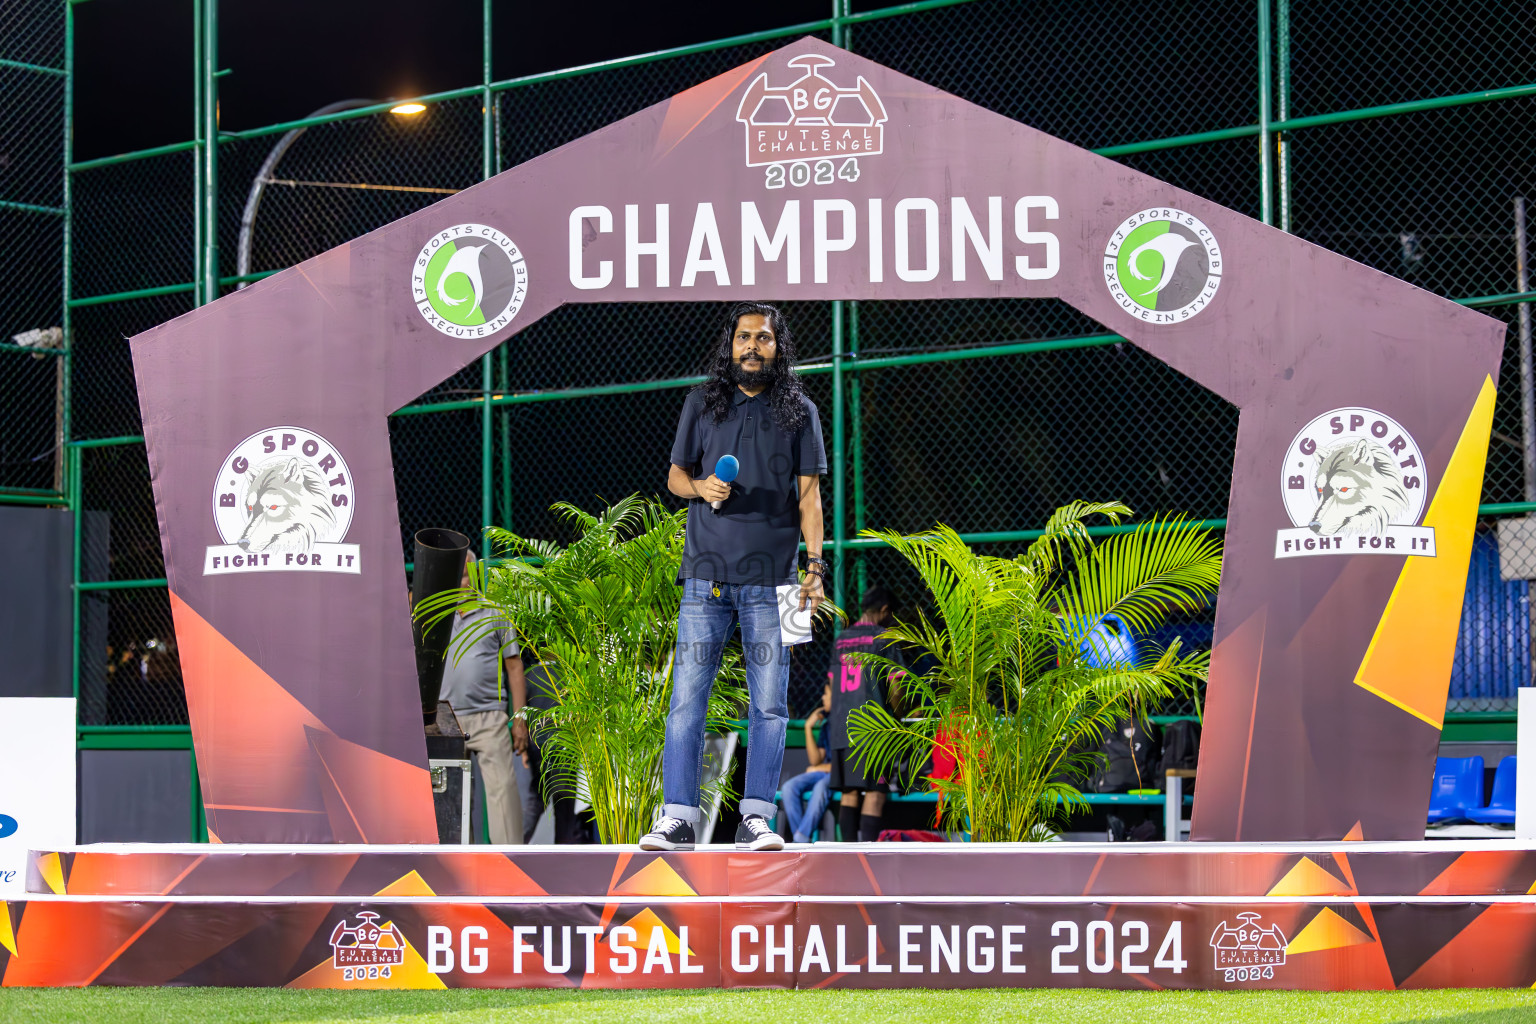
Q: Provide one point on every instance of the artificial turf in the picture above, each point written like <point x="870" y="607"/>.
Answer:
<point x="1037" y="1006"/>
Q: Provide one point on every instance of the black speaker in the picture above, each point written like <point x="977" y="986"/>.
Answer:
<point x="439" y="567"/>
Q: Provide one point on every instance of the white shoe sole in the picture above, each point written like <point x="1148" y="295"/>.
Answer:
<point x="770" y="842"/>
<point x="658" y="845"/>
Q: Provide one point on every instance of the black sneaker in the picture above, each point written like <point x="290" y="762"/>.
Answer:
<point x="754" y="833"/>
<point x="668" y="834"/>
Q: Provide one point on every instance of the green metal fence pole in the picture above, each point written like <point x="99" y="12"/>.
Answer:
<point x="77" y="506"/>
<point x="839" y="30"/>
<point x="66" y="358"/>
<point x="1283" y="108"/>
<point x="855" y="389"/>
<point x="504" y="520"/>
<point x="210" y="196"/>
<point x="1266" y="187"/>
<point x="487" y="163"/>
<point x="198" y="145"/>
<point x="199" y="835"/>
<point x="856" y="442"/>
<point x="71" y="487"/>
<point x="197" y="148"/>
<point x="839" y="464"/>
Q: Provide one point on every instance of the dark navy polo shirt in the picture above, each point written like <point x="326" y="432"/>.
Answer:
<point x="755" y="535"/>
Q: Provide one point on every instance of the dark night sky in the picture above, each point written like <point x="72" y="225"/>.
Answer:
<point x="134" y="72"/>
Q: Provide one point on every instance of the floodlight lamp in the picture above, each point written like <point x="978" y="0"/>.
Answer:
<point x="406" y="109"/>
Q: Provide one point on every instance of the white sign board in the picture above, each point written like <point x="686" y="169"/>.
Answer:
<point x="37" y="782"/>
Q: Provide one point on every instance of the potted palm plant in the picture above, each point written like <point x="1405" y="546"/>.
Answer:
<point x="1010" y="695"/>
<point x="601" y="615"/>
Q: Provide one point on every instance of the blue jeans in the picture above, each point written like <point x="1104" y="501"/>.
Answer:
<point x="803" y="822"/>
<point x="705" y="622"/>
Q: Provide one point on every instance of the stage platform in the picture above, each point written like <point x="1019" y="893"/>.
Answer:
<point x="1298" y="916"/>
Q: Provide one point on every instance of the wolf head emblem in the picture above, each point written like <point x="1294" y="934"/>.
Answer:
<point x="286" y="507"/>
<point x="1359" y="489"/>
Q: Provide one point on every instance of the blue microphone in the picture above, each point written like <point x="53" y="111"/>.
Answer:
<point x="725" y="471"/>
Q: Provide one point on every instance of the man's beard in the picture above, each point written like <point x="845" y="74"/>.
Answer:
<point x="743" y="377"/>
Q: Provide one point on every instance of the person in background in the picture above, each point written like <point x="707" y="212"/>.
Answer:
<point x="480" y="695"/>
<point x="854" y="684"/>
<point x="570" y="828"/>
<point x="804" y="814"/>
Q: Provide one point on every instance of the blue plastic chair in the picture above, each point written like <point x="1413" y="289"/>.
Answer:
<point x="1458" y="788"/>
<point x="1500" y="809"/>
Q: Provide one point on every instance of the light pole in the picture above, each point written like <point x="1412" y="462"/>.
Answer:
<point x="264" y="175"/>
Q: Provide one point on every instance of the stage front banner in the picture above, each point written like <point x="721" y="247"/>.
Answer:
<point x="811" y="173"/>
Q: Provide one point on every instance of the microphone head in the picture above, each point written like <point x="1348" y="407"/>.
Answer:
<point x="727" y="468"/>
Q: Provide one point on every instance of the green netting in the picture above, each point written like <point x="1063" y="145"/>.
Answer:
<point x="985" y="443"/>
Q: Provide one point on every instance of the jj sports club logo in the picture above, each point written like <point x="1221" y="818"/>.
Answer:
<point x="1162" y="265"/>
<point x="469" y="281"/>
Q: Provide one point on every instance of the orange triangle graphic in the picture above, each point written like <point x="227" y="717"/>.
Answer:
<point x="7" y="933"/>
<point x="1408" y="662"/>
<point x="49" y="866"/>
<point x="644" y="924"/>
<point x="655" y="879"/>
<point x="409" y="884"/>
<point x="247" y="729"/>
<point x="1307" y="879"/>
<point x="1326" y="931"/>
<point x="371" y="795"/>
<point x="688" y="109"/>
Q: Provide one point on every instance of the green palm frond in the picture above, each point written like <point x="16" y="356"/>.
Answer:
<point x="600" y="613"/>
<point x="1008" y="691"/>
<point x="1142" y="575"/>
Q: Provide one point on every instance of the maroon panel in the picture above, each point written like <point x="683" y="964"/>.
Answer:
<point x="904" y="192"/>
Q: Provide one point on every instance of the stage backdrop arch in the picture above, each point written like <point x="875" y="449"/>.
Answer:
<point x="813" y="173"/>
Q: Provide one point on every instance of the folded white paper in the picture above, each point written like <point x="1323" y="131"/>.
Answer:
<point x="794" y="623"/>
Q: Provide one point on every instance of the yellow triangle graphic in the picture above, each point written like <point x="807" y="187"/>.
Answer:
<point x="646" y="922"/>
<point x="52" y="870"/>
<point x="1307" y="879"/>
<point x="655" y="879"/>
<point x="409" y="884"/>
<point x="1408" y="662"/>
<point x="412" y="973"/>
<point x="1326" y="931"/>
<point x="7" y="933"/>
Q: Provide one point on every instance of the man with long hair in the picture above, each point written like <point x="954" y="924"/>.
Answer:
<point x="742" y="543"/>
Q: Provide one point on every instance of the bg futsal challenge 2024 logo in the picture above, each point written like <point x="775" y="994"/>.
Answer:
<point x="282" y="502"/>
<point x="811" y="131"/>
<point x="469" y="281"/>
<point x="1162" y="265"/>
<point x="1354" y="482"/>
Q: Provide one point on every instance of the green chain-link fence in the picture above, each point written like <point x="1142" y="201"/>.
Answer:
<point x="1398" y="134"/>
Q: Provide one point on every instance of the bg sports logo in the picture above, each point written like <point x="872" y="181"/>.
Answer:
<point x="469" y="281"/>
<point x="1354" y="481"/>
<point x="1162" y="265"/>
<point x="283" y="501"/>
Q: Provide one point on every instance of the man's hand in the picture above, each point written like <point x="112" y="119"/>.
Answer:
<point x="519" y="735"/>
<point x="811" y="592"/>
<point x="712" y="488"/>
